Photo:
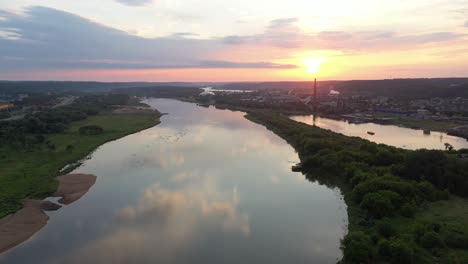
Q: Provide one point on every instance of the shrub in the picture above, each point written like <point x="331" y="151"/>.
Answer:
<point x="385" y="157"/>
<point x="424" y="227"/>
<point x="430" y="239"/>
<point x="427" y="190"/>
<point x="400" y="251"/>
<point x="456" y="240"/>
<point x="360" y="176"/>
<point x="69" y="148"/>
<point x="357" y="248"/>
<point x="384" y="248"/>
<point x="388" y="182"/>
<point x="381" y="203"/>
<point x="385" y="228"/>
<point x="408" y="210"/>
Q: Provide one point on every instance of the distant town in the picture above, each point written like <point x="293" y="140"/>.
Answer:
<point x="447" y="114"/>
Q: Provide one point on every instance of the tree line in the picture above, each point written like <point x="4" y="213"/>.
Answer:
<point x="31" y="129"/>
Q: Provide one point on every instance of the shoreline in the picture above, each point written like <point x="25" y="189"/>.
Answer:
<point x="447" y="127"/>
<point x="21" y="226"/>
<point x="420" y="125"/>
<point x="47" y="165"/>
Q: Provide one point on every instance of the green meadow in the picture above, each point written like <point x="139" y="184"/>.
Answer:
<point x="31" y="172"/>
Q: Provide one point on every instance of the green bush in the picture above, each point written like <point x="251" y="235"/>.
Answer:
<point x="360" y="176"/>
<point x="384" y="248"/>
<point x="408" y="210"/>
<point x="385" y="228"/>
<point x="423" y="227"/>
<point x="430" y="239"/>
<point x="396" y="250"/>
<point x="388" y="182"/>
<point x="456" y="240"/>
<point x="381" y="203"/>
<point x="400" y="251"/>
<point x="357" y="248"/>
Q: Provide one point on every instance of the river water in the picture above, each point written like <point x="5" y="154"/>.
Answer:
<point x="400" y="137"/>
<point x="204" y="186"/>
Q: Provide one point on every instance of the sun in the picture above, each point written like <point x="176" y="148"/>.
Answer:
<point x="312" y="65"/>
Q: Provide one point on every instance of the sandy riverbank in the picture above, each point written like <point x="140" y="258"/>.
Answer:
<point x="22" y="225"/>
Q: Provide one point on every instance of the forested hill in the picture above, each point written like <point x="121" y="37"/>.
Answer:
<point x="407" y="88"/>
<point x="17" y="87"/>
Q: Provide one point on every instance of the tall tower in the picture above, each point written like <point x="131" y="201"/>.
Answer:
<point x="315" y="91"/>
<point x="314" y="118"/>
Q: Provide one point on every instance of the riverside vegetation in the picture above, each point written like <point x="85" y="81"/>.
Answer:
<point x="34" y="149"/>
<point x="403" y="206"/>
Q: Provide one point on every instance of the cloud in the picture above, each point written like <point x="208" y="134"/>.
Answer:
<point x="251" y="65"/>
<point x="466" y="23"/>
<point x="46" y="38"/>
<point x="184" y="34"/>
<point x="134" y="2"/>
<point x="286" y="33"/>
<point x="282" y="33"/>
<point x="284" y="22"/>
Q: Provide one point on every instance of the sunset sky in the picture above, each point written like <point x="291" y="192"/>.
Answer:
<point x="223" y="40"/>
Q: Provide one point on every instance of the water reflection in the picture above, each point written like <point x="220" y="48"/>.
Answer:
<point x="198" y="201"/>
<point x="165" y="222"/>
<point x="385" y="134"/>
<point x="205" y="186"/>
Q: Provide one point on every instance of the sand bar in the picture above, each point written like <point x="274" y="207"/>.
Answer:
<point x="22" y="225"/>
<point x="73" y="186"/>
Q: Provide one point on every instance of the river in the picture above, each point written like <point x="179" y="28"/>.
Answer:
<point x="400" y="137"/>
<point x="204" y="186"/>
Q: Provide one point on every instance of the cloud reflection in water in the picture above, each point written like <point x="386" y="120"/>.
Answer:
<point x="165" y="221"/>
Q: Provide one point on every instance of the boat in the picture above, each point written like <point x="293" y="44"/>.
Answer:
<point x="370" y="133"/>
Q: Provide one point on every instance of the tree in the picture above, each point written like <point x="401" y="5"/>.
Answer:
<point x="69" y="148"/>
<point x="385" y="228"/>
<point x="400" y="251"/>
<point x="448" y="147"/>
<point x="407" y="210"/>
<point x="357" y="248"/>
<point x="430" y="239"/>
<point x="381" y="203"/>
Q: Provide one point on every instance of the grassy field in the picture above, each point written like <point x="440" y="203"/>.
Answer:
<point x="31" y="173"/>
